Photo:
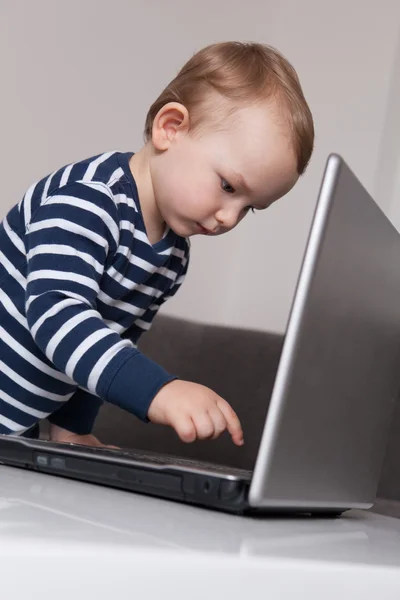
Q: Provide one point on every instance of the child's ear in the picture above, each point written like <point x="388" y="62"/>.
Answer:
<point x="171" y="119"/>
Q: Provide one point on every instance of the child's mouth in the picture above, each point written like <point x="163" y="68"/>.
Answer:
<point x="203" y="229"/>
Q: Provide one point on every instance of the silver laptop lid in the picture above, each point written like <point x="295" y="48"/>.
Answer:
<point x="328" y="422"/>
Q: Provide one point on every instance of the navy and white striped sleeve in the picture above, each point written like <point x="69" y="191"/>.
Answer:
<point x="70" y="240"/>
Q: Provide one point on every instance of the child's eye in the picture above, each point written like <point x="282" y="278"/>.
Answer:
<point x="227" y="187"/>
<point x="231" y="190"/>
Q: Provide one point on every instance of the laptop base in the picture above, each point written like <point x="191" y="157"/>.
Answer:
<point x="200" y="486"/>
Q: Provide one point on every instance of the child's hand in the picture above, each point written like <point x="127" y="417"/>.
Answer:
<point x="195" y="412"/>
<point x="58" y="434"/>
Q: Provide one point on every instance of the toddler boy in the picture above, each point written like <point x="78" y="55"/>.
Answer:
<point x="93" y="250"/>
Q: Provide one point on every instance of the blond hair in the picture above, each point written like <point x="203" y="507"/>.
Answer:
<point x="242" y="72"/>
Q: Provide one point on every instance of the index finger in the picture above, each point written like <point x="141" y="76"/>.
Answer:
<point x="232" y="421"/>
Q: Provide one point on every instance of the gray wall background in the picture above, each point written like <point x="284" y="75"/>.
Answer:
<point x="79" y="76"/>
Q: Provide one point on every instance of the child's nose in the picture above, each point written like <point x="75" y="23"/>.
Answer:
<point x="227" y="218"/>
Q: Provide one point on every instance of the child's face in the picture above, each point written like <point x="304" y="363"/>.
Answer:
<point x="207" y="184"/>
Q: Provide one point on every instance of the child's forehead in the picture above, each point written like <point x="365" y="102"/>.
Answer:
<point x="248" y="139"/>
<point x="250" y="127"/>
<point x="251" y="137"/>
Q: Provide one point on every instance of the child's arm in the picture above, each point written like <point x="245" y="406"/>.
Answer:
<point x="78" y="414"/>
<point x="71" y="241"/>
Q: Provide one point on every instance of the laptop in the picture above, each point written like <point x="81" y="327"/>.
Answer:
<point x="329" y="415"/>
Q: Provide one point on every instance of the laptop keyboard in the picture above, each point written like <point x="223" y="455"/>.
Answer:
<point x="164" y="459"/>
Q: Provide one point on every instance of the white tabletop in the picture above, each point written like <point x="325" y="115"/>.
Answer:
<point x="66" y="539"/>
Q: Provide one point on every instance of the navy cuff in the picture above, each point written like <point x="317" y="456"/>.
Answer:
<point x="136" y="383"/>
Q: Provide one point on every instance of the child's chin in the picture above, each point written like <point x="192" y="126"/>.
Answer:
<point x="184" y="229"/>
<point x="179" y="231"/>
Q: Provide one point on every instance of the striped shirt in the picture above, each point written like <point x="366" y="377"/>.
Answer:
<point x="79" y="283"/>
